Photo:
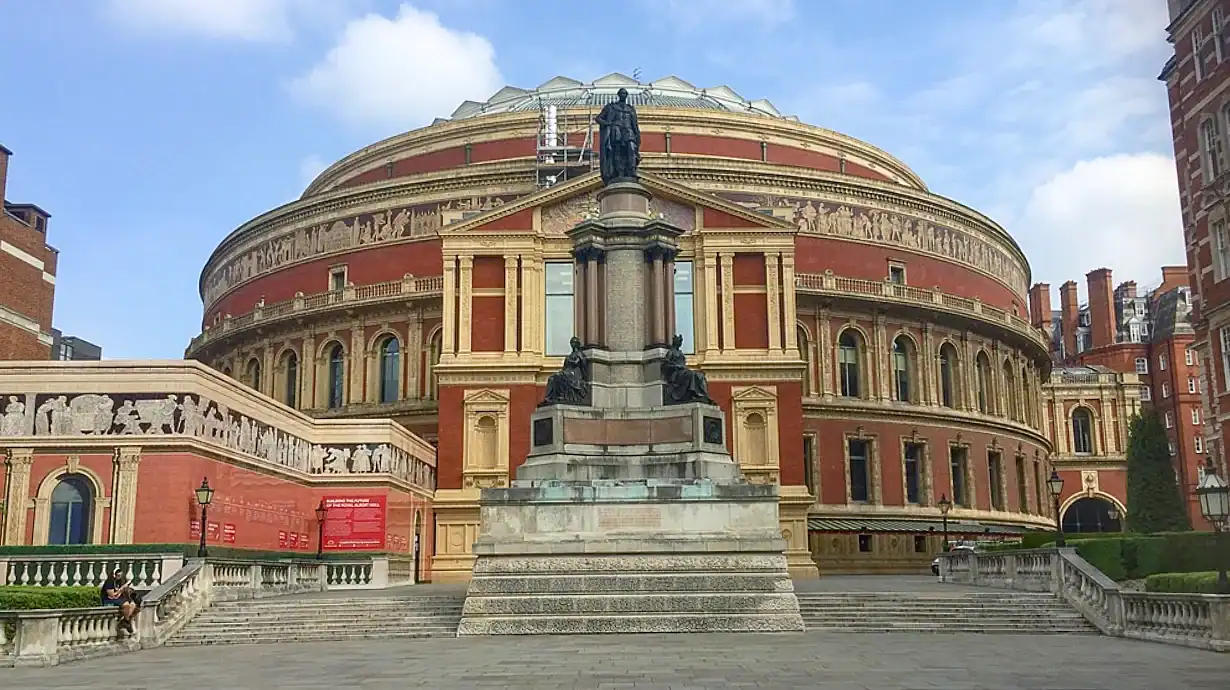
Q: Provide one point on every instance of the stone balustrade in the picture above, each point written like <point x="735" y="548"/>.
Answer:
<point x="1190" y="620"/>
<point x="144" y="570"/>
<point x="408" y="287"/>
<point x="50" y="637"/>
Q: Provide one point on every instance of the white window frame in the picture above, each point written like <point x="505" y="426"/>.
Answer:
<point x="1221" y="249"/>
<point x="1197" y="61"/>
<point x="1196" y="416"/>
<point x="1199" y="445"/>
<point x="1191" y="385"/>
<point x="1189" y="358"/>
<point x="1170" y="447"/>
<point x="1146" y="395"/>
<point x="1224" y="334"/>
<point x="1162" y="362"/>
<point x="1169" y="419"/>
<point x="1211" y="149"/>
<point x="1142" y="365"/>
<point x="1165" y="389"/>
<point x="1219" y="22"/>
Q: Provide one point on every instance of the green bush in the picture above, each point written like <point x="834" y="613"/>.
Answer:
<point x="26" y="598"/>
<point x="1183" y="583"/>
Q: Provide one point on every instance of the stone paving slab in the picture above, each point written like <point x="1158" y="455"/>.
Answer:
<point x="825" y="661"/>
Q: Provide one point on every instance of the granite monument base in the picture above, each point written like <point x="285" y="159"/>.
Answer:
<point x="649" y="555"/>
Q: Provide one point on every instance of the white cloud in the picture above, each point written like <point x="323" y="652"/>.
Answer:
<point x="1120" y="211"/>
<point x="400" y="72"/>
<point x="247" y="20"/>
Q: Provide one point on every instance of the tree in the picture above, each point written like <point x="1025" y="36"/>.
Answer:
<point x="1154" y="503"/>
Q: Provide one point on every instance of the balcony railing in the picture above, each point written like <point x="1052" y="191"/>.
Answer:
<point x="302" y="305"/>
<point x="829" y="284"/>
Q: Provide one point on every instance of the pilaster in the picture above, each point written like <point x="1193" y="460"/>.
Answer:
<point x="533" y="300"/>
<point x="927" y="361"/>
<point x="773" y="297"/>
<point x="824" y="326"/>
<point x="789" y="308"/>
<point x="124" y="504"/>
<point x="448" y="338"/>
<point x="465" y="303"/>
<point x="414" y="354"/>
<point x="880" y="357"/>
<point x="511" y="336"/>
<point x="969" y="373"/>
<point x="793" y="505"/>
<point x="709" y="281"/>
<point x="728" y="301"/>
<point x="307" y="373"/>
<point x="358" y="364"/>
<point x="268" y="376"/>
<point x="17" y="481"/>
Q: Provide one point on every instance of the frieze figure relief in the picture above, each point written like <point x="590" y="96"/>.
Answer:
<point x="14" y="421"/>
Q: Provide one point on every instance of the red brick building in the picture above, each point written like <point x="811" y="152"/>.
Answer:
<point x="867" y="339"/>
<point x="1196" y="80"/>
<point x="27" y="277"/>
<point x="1121" y="349"/>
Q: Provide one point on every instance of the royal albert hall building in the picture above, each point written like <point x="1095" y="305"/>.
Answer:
<point x="867" y="339"/>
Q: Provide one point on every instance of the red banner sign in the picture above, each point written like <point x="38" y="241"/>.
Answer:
<point x="354" y="522"/>
<point x="194" y="529"/>
<point x="303" y="540"/>
<point x="212" y="530"/>
<point x="228" y="533"/>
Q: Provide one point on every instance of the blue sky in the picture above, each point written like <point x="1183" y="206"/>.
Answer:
<point x="150" y="129"/>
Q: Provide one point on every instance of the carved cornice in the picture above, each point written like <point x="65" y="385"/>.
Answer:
<point x="858" y="410"/>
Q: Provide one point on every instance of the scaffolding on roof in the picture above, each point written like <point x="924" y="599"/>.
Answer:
<point x="565" y="142"/>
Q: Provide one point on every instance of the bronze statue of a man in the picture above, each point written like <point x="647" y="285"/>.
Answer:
<point x="620" y="137"/>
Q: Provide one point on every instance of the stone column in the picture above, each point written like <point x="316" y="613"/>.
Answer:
<point x="124" y="502"/>
<point x="709" y="296"/>
<point x="668" y="300"/>
<point x="511" y="335"/>
<point x="879" y="358"/>
<point x="594" y="302"/>
<point x="579" y="268"/>
<point x="773" y="297"/>
<point x="268" y="375"/>
<point x="414" y="354"/>
<point x="969" y="371"/>
<point x="448" y="340"/>
<point x="465" y="303"/>
<point x="927" y="361"/>
<point x="657" y="299"/>
<point x="728" y="301"/>
<point x="358" y="364"/>
<point x="824" y="328"/>
<point x="789" y="308"/>
<point x="17" y="479"/>
<point x="307" y="373"/>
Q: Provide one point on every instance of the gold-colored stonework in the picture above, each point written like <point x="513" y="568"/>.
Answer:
<point x="559" y="218"/>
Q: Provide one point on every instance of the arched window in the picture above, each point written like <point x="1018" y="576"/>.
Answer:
<point x="1010" y="392"/>
<point x="1090" y="514"/>
<point x="805" y="355"/>
<point x="1082" y="430"/>
<point x="71" y="506"/>
<point x="948" y="375"/>
<point x="983" y="365"/>
<point x="849" y="352"/>
<point x="903" y="369"/>
<point x="390" y="369"/>
<point x="290" y="372"/>
<point x="336" y="380"/>
<point x="254" y="374"/>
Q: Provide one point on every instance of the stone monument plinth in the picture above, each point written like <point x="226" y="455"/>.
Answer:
<point x="629" y="514"/>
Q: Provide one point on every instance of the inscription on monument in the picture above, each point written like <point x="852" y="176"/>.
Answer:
<point x="713" y="430"/>
<point x="640" y="517"/>
<point x="544" y="431"/>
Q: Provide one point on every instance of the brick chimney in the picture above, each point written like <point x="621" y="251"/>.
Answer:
<point x="1070" y="313"/>
<point x="1173" y="277"/>
<point x="4" y="169"/>
<point x="1040" y="306"/>
<point x="1101" y="308"/>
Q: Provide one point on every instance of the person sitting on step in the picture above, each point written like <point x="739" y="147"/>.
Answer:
<point x="117" y="591"/>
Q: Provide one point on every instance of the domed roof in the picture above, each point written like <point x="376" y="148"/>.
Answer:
<point x="562" y="92"/>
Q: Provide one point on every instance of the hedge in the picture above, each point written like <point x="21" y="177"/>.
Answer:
<point x="25" y="598"/>
<point x="187" y="550"/>
<point x="1183" y="583"/>
<point x="1136" y="556"/>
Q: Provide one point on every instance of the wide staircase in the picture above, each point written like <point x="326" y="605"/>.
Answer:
<point x="963" y="611"/>
<point x="332" y="618"/>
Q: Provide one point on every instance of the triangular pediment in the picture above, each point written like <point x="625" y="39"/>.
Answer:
<point x="753" y="394"/>
<point x="486" y="396"/>
<point x="569" y="203"/>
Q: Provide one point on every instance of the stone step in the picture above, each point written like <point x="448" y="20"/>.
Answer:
<point x="860" y="596"/>
<point x="186" y="640"/>
<point x="341" y="602"/>
<point x="651" y="564"/>
<point x="635" y="603"/>
<point x="556" y="583"/>
<point x="954" y="620"/>
<point x="939" y="629"/>
<point x="599" y="624"/>
<point x="366" y="621"/>
<point x="316" y="628"/>
<point x="907" y="607"/>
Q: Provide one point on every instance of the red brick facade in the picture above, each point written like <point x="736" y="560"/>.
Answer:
<point x="27" y="277"/>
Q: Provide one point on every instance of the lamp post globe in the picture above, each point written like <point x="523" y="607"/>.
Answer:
<point x="1214" y="495"/>
<point x="1113" y="514"/>
<point x="204" y="495"/>
<point x="1055" y="485"/>
<point x="322" y="512"/>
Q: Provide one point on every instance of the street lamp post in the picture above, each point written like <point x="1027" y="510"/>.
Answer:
<point x="1055" y="486"/>
<point x="321" y="513"/>
<point x="1113" y="514"/>
<point x="204" y="494"/>
<point x="1214" y="496"/>
<point x="945" y="506"/>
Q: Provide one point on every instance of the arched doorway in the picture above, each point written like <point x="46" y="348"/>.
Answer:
<point x="72" y="504"/>
<point x="1091" y="514"/>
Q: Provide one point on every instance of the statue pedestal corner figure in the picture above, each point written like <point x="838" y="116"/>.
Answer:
<point x="570" y="385"/>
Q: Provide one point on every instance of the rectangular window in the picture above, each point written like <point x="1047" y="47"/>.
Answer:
<point x="1218" y="22"/>
<point x="1196" y="415"/>
<point x="1210" y="142"/>
<point x="1221" y="250"/>
<point x="995" y="471"/>
<point x="1224" y="335"/>
<point x="1191" y="385"/>
<point x="1038" y="503"/>
<point x="1199" y="445"/>
<point x="558" y="278"/>
<point x="809" y="462"/>
<point x="685" y="322"/>
<point x="1145" y="394"/>
<point x="1022" y="496"/>
<point x="337" y="279"/>
<point x="1197" y="61"/>
<point x="957" y="462"/>
<point x="1161" y="363"/>
<point x="1169" y="419"/>
<point x="1189" y="357"/>
<point x="896" y="274"/>
<point x="864" y="543"/>
<point x="1165" y="389"/>
<point x="913" y="453"/>
<point x="1142" y="365"/>
<point x="920" y="543"/>
<point x="860" y="476"/>
<point x="1170" y="447"/>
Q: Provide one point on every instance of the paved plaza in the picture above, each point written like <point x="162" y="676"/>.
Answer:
<point x="809" y="660"/>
